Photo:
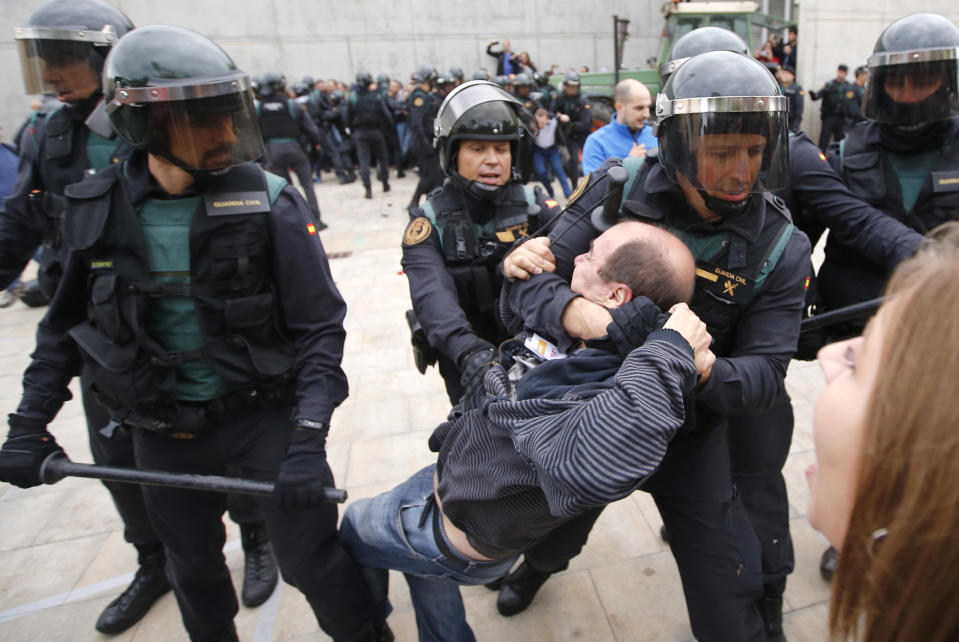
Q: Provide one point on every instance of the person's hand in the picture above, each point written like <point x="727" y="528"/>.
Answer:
<point x="563" y="118"/>
<point x="27" y="445"/>
<point x="473" y="365"/>
<point x="685" y="322"/>
<point x="529" y="258"/>
<point x="638" y="150"/>
<point x="302" y="475"/>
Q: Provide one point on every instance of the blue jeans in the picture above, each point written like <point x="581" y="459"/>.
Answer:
<point x="394" y="530"/>
<point x="543" y="156"/>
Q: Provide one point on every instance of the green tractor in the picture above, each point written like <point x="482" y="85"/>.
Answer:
<point x="743" y="18"/>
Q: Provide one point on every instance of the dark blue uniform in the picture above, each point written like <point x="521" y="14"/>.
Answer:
<point x="833" y="111"/>
<point x="370" y="119"/>
<point x="422" y="107"/>
<point x="576" y="130"/>
<point x="796" y="96"/>
<point x="279" y="359"/>
<point x="715" y="546"/>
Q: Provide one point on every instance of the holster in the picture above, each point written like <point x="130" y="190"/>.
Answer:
<point x="423" y="353"/>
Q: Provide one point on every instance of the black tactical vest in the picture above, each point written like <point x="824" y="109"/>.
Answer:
<point x="231" y="283"/>
<point x="367" y="111"/>
<point x="277" y="120"/>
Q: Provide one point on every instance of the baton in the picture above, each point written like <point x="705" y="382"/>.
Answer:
<point x="57" y="466"/>
<point x="848" y="313"/>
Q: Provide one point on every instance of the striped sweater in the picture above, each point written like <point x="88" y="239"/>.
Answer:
<point x="512" y="471"/>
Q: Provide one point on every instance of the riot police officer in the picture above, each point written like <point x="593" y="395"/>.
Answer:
<point x="833" y="111"/>
<point x="576" y="121"/>
<point x="192" y="327"/>
<point x="903" y="160"/>
<point x="796" y="96"/>
<point x="454" y="243"/>
<point x="456" y="73"/>
<point x="717" y="164"/>
<point x="282" y="123"/>
<point x="700" y="41"/>
<point x="369" y="118"/>
<point x="422" y="107"/>
<point x="546" y="91"/>
<point x="321" y="109"/>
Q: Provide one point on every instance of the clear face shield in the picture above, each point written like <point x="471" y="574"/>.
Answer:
<point x="913" y="87"/>
<point x="727" y="147"/>
<point x="64" y="62"/>
<point x="207" y="125"/>
<point x="472" y="94"/>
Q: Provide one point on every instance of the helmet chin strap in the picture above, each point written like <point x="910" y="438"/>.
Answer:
<point x="724" y="208"/>
<point x="480" y="190"/>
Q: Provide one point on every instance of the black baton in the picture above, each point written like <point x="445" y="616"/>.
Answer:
<point x="848" y="313"/>
<point x="57" y="466"/>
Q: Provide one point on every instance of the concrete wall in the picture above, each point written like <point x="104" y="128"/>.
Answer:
<point x="336" y="39"/>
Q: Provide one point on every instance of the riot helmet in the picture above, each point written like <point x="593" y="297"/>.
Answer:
<point x="274" y="83"/>
<point x="700" y="41"/>
<point x="479" y="110"/>
<point x="426" y="73"/>
<point x="364" y="79"/>
<point x="501" y="80"/>
<point x="540" y="79"/>
<point x="308" y="81"/>
<point x="257" y="83"/>
<point x="522" y="80"/>
<point x="457" y="73"/>
<point x="913" y="72"/>
<point x="722" y="130"/>
<point x="383" y="80"/>
<point x="480" y="74"/>
<point x="61" y="40"/>
<point x="178" y="95"/>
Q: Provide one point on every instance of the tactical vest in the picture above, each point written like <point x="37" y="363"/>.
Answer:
<point x="230" y="282"/>
<point x="367" y="111"/>
<point x="729" y="271"/>
<point x="473" y="252"/>
<point x="278" y="120"/>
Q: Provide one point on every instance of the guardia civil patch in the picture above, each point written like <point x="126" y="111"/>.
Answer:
<point x="417" y="231"/>
<point x="583" y="182"/>
<point x="418" y="101"/>
<point x="849" y="94"/>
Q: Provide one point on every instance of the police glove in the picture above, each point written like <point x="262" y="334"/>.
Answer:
<point x="27" y="445"/>
<point x="632" y="323"/>
<point x="304" y="471"/>
<point x="473" y="366"/>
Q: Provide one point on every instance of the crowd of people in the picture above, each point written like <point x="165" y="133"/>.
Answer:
<point x="636" y="340"/>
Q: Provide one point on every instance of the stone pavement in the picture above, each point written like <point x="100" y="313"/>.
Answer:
<point x="63" y="558"/>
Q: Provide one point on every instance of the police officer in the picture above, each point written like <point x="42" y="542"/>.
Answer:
<point x="454" y="243"/>
<point x="700" y="41"/>
<point x="546" y="91"/>
<point x="575" y="115"/>
<point x="522" y="90"/>
<point x="832" y="111"/>
<point x="369" y="119"/>
<point x="422" y="107"/>
<point x="711" y="185"/>
<point x="59" y="149"/>
<point x="282" y="123"/>
<point x="904" y="160"/>
<point x="456" y="73"/>
<point x="795" y="94"/>
<point x="854" y="96"/>
<point x="321" y="109"/>
<point x="193" y="329"/>
<point x="398" y="140"/>
<point x="391" y="133"/>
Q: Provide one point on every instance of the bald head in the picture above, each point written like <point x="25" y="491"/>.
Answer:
<point x="635" y="259"/>
<point x="632" y="104"/>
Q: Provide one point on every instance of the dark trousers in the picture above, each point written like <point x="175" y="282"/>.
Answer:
<point x="190" y="526"/>
<point x="341" y="167"/>
<point x="289" y="156"/>
<point x="370" y="141"/>
<point x="758" y="447"/>
<point x="393" y="147"/>
<point x="710" y="536"/>
<point x="117" y="450"/>
<point x="431" y="174"/>
<point x="834" y="126"/>
<point x="572" y="165"/>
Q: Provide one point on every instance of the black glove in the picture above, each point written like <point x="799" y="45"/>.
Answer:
<point x="27" y="445"/>
<point x="632" y="323"/>
<point x="304" y="472"/>
<point x="473" y="366"/>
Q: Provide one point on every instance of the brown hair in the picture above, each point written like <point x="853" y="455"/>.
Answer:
<point x="653" y="265"/>
<point x="898" y="573"/>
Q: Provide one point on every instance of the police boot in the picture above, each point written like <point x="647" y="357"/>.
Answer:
<point x="771" y="610"/>
<point x="828" y="563"/>
<point x="149" y="583"/>
<point x="259" y="568"/>
<point x="519" y="589"/>
<point x="400" y="173"/>
<point x="386" y="186"/>
<point x="369" y="191"/>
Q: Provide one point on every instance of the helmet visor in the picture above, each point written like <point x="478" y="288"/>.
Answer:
<point x="205" y="134"/>
<point x="60" y="66"/>
<point x="488" y="122"/>
<point x="728" y="155"/>
<point x="913" y="87"/>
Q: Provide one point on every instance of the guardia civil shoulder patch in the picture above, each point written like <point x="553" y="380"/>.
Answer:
<point x="583" y="182"/>
<point x="418" y="102"/>
<point x="417" y="231"/>
<point x="849" y="94"/>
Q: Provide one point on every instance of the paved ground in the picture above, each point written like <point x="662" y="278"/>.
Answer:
<point x="63" y="558"/>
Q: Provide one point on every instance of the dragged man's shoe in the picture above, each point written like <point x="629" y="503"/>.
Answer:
<point x="259" y="568"/>
<point x="828" y="563"/>
<point x="519" y="589"/>
<point x="148" y="585"/>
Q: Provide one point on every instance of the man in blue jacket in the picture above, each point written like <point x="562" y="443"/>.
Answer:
<point x="627" y="134"/>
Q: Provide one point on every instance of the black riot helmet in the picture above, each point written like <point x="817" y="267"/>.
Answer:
<point x="457" y="73"/>
<point x="274" y="83"/>
<point x="479" y="110"/>
<point x="700" y="41"/>
<point x="364" y="79"/>
<point x="426" y="73"/>
<point x="308" y="81"/>
<point x="480" y="74"/>
<point x="571" y="79"/>
<point x="913" y="73"/>
<point x="383" y="80"/>
<point x="540" y="79"/>
<point x="178" y="95"/>
<point x="722" y="130"/>
<point x="501" y="80"/>
<point x="62" y="32"/>
<point x="522" y="80"/>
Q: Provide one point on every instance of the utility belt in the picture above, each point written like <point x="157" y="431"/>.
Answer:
<point x="193" y="419"/>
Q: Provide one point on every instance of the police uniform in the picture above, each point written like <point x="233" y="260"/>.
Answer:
<point x="422" y="107"/>
<point x="321" y="110"/>
<point x="282" y="122"/>
<point x="852" y="103"/>
<point x="576" y="130"/>
<point x="451" y="252"/>
<point x="369" y="118"/>
<point x="797" y="98"/>
<point x="833" y="111"/>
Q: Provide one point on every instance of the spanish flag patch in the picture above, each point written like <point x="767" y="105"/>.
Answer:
<point x="311" y="229"/>
<point x="550" y="203"/>
<point x="822" y="157"/>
